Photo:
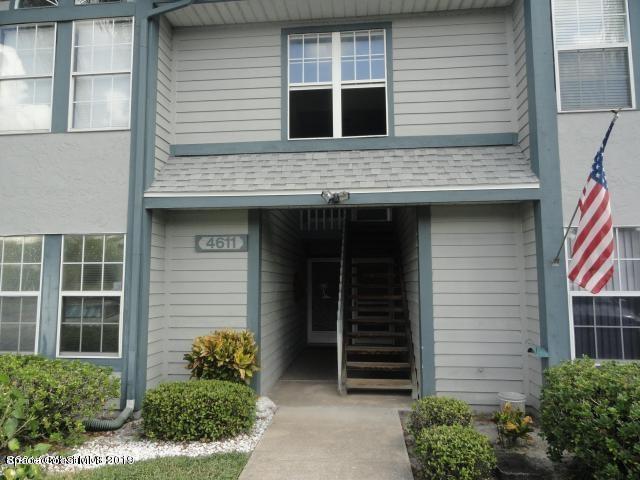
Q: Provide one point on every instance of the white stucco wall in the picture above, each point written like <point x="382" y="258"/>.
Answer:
<point x="64" y="183"/>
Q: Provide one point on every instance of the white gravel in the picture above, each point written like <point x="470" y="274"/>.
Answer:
<point x="129" y="442"/>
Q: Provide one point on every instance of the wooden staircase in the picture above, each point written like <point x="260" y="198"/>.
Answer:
<point x="377" y="337"/>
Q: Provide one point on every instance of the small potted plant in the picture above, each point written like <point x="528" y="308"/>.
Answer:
<point x="513" y="425"/>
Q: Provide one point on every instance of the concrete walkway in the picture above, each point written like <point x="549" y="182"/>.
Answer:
<point x="318" y="434"/>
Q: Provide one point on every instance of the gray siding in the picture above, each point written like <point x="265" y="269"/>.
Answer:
<point x="282" y="314"/>
<point x="165" y="94"/>
<point x="530" y="307"/>
<point x="156" y="339"/>
<point x="64" y="183"/>
<point x="407" y="227"/>
<point x="520" y="75"/>
<point x="580" y="135"/>
<point x="478" y="276"/>
<point x="452" y="74"/>
<point x="202" y="291"/>
<point x="227" y="84"/>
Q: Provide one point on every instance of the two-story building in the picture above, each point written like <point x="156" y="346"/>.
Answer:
<point x="382" y="178"/>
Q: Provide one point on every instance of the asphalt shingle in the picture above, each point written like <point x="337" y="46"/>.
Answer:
<point x="352" y="170"/>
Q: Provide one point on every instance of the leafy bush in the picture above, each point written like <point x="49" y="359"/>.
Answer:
<point x="513" y="424"/>
<point x="59" y="394"/>
<point x="453" y="451"/>
<point x="224" y="355"/>
<point x="13" y="421"/>
<point x="433" y="411"/>
<point x="198" y="410"/>
<point x="594" y="414"/>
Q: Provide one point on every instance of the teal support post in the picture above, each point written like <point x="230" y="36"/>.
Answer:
<point x="50" y="295"/>
<point x="254" y="279"/>
<point x="545" y="162"/>
<point x="425" y="278"/>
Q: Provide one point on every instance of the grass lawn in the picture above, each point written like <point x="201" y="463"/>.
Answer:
<point x="226" y="466"/>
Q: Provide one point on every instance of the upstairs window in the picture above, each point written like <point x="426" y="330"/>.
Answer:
<point x="593" y="62"/>
<point x="337" y="84"/>
<point x="36" y="3"/>
<point x="101" y="74"/>
<point x="26" y="77"/>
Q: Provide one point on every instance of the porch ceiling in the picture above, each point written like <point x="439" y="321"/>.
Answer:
<point x="207" y="12"/>
<point x="356" y="171"/>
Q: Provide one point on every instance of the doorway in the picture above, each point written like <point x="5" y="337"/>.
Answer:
<point x="323" y="275"/>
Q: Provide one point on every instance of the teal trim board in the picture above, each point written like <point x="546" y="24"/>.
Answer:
<point x="65" y="13"/>
<point x="425" y="280"/>
<point x="327" y="28"/>
<point x="62" y="77"/>
<point x="254" y="280"/>
<point x="50" y="295"/>
<point x="356" y="199"/>
<point x="545" y="162"/>
<point x="336" y="144"/>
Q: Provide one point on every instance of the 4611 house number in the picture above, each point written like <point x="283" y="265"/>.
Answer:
<point x="221" y="243"/>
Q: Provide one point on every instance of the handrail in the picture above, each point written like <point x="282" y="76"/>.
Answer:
<point x="342" y="298"/>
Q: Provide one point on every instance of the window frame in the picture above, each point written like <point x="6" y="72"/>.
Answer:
<point x="601" y="294"/>
<point x="336" y="83"/>
<point x="29" y="77"/>
<point x="16" y="6"/>
<point x="38" y="293"/>
<point x="91" y="293"/>
<point x="73" y="76"/>
<point x="628" y="45"/>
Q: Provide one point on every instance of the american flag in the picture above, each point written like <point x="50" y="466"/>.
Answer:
<point x="592" y="254"/>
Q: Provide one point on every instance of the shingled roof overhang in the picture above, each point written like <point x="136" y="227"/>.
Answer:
<point x="372" y="177"/>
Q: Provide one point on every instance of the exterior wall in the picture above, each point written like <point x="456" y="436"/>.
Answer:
<point x="282" y="307"/>
<point x="480" y="320"/>
<point x="407" y="228"/>
<point x="201" y="291"/>
<point x="165" y="94"/>
<point x="227" y="82"/>
<point x="580" y="135"/>
<point x="156" y="338"/>
<point x="64" y="183"/>
<point x="530" y="305"/>
<point x="452" y="74"/>
<point x="518" y="38"/>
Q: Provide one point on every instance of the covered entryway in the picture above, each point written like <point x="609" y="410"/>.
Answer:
<point x="335" y="298"/>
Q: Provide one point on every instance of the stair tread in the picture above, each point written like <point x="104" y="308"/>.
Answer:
<point x="376" y="334"/>
<point x="381" y="308"/>
<point x="378" y="365"/>
<point x="377" y="320"/>
<point x="379" y="383"/>
<point x="381" y="297"/>
<point x="377" y="348"/>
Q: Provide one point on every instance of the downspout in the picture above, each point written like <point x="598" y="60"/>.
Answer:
<point x="139" y="159"/>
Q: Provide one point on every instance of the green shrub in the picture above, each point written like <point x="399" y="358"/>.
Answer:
<point x="594" y="414"/>
<point x="198" y="410"/>
<point x="432" y="411"/>
<point x="224" y="355"/>
<point x="59" y="394"/>
<point x="454" y="451"/>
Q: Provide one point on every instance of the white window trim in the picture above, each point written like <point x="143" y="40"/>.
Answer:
<point x="73" y="75"/>
<point x="27" y="77"/>
<point x="27" y="294"/>
<point x="337" y="84"/>
<point x="602" y="294"/>
<point x="91" y="293"/>
<point x="627" y="45"/>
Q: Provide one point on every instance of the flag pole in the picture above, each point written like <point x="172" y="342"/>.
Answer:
<point x="556" y="260"/>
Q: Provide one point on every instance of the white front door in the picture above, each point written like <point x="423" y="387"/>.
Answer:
<point x="322" y="299"/>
